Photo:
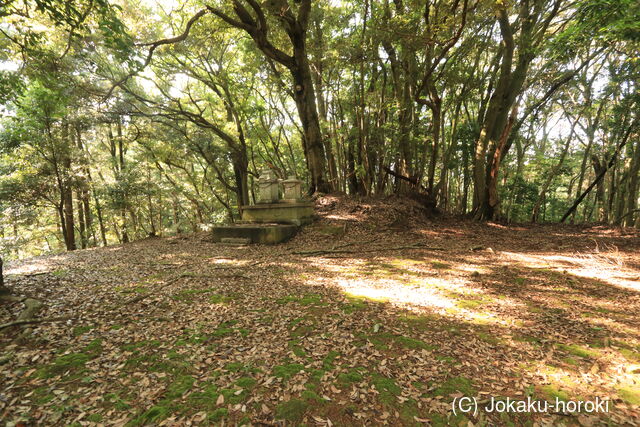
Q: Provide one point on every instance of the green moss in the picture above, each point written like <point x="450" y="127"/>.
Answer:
<point x="241" y="367"/>
<point x="386" y="386"/>
<point x="630" y="394"/>
<point x="94" y="418"/>
<point x="446" y="359"/>
<point x="73" y="362"/>
<point x="579" y="351"/>
<point x="315" y="377"/>
<point x="469" y="304"/>
<point x="328" y="361"/>
<point x="59" y="273"/>
<point x="42" y="395"/>
<point x="179" y="386"/>
<point x="552" y="392"/>
<point x="287" y="371"/>
<point x="488" y="338"/>
<point x="141" y="344"/>
<point x="520" y="281"/>
<point x="301" y="331"/>
<point x="80" y="330"/>
<point x="234" y="366"/>
<point x="526" y="338"/>
<point x="352" y="297"/>
<point x="218" y="414"/>
<point x="115" y="400"/>
<point x="292" y="410"/>
<point x="353" y="304"/>
<point x="295" y="347"/>
<point x="94" y="347"/>
<point x="570" y="361"/>
<point x="151" y="416"/>
<point x="132" y="289"/>
<point x="246" y="382"/>
<point x="155" y="362"/>
<point x="220" y="299"/>
<point x="455" y="385"/>
<point x="312" y="396"/>
<point x="424" y="321"/>
<point x="205" y="399"/>
<point x="411" y="343"/>
<point x="224" y="329"/>
<point x="353" y="376"/>
<point x="233" y="397"/>
<point x="630" y="355"/>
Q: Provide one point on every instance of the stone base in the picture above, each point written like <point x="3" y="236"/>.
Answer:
<point x="300" y="213"/>
<point x="268" y="234"/>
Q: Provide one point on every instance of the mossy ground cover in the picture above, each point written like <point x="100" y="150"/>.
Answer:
<point x="371" y="338"/>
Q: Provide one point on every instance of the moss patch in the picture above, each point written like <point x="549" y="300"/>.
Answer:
<point x="74" y="363"/>
<point x="287" y="371"/>
<point x="353" y="376"/>
<point x="552" y="392"/>
<point x="579" y="351"/>
<point x="153" y="415"/>
<point x="455" y="385"/>
<point x="630" y="394"/>
<point x="81" y="330"/>
<point x="292" y="410"/>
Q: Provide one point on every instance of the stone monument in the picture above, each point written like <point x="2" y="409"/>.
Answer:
<point x="271" y="219"/>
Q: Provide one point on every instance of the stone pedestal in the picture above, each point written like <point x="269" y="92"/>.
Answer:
<point x="299" y="213"/>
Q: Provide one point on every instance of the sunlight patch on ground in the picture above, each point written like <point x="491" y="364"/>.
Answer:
<point x="35" y="266"/>
<point x="343" y="217"/>
<point x="603" y="268"/>
<point x="396" y="294"/>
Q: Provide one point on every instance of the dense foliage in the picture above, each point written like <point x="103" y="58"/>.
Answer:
<point x="133" y="118"/>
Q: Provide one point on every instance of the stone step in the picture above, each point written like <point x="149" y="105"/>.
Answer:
<point x="253" y="233"/>
<point x="235" y="240"/>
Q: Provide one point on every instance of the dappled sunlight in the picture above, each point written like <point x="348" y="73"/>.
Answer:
<point x="397" y="295"/>
<point x="410" y="283"/>
<point x="608" y="269"/>
<point x="226" y="261"/>
<point x="36" y="266"/>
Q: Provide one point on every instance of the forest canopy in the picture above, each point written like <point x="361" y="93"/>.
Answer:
<point x="125" y="119"/>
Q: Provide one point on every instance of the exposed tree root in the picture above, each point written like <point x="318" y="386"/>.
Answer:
<point x="34" y="321"/>
<point x="351" y="251"/>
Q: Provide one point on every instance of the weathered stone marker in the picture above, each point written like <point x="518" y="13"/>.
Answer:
<point x="292" y="190"/>
<point x="268" y="191"/>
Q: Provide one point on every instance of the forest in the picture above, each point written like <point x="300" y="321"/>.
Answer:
<point x="468" y="229"/>
<point x="129" y="119"/>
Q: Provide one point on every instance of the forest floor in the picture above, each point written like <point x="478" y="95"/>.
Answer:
<point x="370" y="316"/>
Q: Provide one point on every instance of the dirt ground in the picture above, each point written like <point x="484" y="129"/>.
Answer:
<point x="373" y="315"/>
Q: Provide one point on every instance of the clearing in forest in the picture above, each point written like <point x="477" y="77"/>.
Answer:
<point x="367" y="317"/>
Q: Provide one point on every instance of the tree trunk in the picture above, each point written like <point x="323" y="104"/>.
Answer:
<point x="4" y="290"/>
<point x="295" y="26"/>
